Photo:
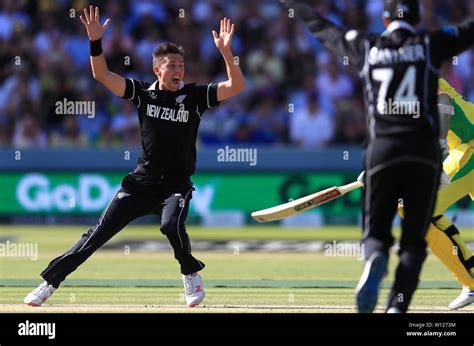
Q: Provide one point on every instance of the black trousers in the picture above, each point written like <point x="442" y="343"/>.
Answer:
<point x="171" y="200"/>
<point x="400" y="170"/>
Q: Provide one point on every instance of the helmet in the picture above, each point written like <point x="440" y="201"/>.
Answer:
<point x="407" y="10"/>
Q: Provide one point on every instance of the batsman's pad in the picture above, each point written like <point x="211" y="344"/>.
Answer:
<point x="451" y="250"/>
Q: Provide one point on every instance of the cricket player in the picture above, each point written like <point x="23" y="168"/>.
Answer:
<point x="457" y="143"/>
<point x="169" y="113"/>
<point x="400" y="71"/>
<point x="444" y="239"/>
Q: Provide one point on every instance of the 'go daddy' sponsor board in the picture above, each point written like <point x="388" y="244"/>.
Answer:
<point x="89" y="193"/>
<point x="61" y="193"/>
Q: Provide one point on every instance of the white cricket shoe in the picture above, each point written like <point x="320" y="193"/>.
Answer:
<point x="394" y="311"/>
<point x="464" y="299"/>
<point x="193" y="290"/>
<point x="39" y="295"/>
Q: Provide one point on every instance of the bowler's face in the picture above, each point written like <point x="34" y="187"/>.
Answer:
<point x="170" y="71"/>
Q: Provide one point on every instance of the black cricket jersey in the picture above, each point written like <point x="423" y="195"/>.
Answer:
<point x="400" y="69"/>
<point x="169" y="123"/>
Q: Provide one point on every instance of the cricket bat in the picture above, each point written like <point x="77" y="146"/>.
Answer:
<point x="305" y="203"/>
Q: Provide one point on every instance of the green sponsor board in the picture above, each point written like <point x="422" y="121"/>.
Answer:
<point x="56" y="193"/>
<point x="64" y="193"/>
<point x="258" y="191"/>
<point x="89" y="193"/>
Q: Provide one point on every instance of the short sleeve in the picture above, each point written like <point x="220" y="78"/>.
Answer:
<point x="132" y="91"/>
<point x="205" y="96"/>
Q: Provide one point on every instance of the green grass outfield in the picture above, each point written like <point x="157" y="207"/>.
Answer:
<point x="118" y="281"/>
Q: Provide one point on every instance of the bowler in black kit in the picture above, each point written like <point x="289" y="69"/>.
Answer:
<point x="400" y="72"/>
<point x="169" y="113"/>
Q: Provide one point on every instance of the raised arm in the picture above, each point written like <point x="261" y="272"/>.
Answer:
<point x="236" y="82"/>
<point x="338" y="40"/>
<point x="100" y="71"/>
<point x="452" y="41"/>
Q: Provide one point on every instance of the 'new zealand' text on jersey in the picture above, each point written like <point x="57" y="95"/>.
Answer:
<point x="169" y="123"/>
<point x="400" y="69"/>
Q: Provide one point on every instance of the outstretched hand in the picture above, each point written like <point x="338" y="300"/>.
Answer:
<point x="224" y="39"/>
<point x="92" y="23"/>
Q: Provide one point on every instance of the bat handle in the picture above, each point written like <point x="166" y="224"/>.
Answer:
<point x="350" y="187"/>
<point x="360" y="178"/>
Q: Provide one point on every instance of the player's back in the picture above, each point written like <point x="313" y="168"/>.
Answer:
<point x="401" y="83"/>
<point x="400" y="68"/>
<point x="401" y="76"/>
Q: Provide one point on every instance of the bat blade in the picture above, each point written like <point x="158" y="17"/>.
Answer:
<point x="303" y="204"/>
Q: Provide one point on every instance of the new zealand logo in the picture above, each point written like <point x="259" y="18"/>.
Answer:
<point x="180" y="98"/>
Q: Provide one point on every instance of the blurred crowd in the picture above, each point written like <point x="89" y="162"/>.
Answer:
<point x="297" y="93"/>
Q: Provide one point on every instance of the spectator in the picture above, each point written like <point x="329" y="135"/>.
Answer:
<point x="28" y="134"/>
<point x="311" y="127"/>
<point x="266" y="123"/>
<point x="333" y="84"/>
<point x="264" y="67"/>
<point x="70" y="135"/>
<point x="11" y="19"/>
<point x="107" y="140"/>
<point x="44" y="58"/>
<point x="125" y="125"/>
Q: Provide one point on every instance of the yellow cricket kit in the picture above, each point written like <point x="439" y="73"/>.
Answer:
<point x="443" y="237"/>
<point x="460" y="136"/>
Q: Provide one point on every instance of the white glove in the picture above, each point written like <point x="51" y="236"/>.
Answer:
<point x="444" y="180"/>
<point x="443" y="143"/>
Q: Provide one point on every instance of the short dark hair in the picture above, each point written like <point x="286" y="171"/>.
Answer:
<point x="163" y="49"/>
<point x="407" y="10"/>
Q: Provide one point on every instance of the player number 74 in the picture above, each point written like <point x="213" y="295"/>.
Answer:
<point x="302" y="204"/>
